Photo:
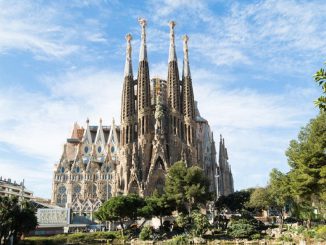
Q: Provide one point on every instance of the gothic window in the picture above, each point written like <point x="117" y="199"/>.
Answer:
<point x="189" y="134"/>
<point x="99" y="149"/>
<point x="134" y="187"/>
<point x="142" y="125"/>
<point x="107" y="191"/>
<point x="135" y="131"/>
<point x="62" y="189"/>
<point x="63" y="199"/>
<point x="86" y="149"/>
<point x="127" y="133"/>
<point x="62" y="170"/>
<point x="61" y="196"/>
<point x="77" y="189"/>
<point x="174" y="125"/>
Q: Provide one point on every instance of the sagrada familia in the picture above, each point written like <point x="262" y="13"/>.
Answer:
<point x="160" y="125"/>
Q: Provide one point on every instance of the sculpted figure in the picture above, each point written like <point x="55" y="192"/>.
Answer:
<point x="158" y="116"/>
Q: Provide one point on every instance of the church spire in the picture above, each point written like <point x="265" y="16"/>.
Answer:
<point x="172" y="53"/>
<point x="174" y="95"/>
<point x="128" y="64"/>
<point x="143" y="48"/>
<point x="187" y="91"/>
<point x="128" y="95"/>
<point x="143" y="84"/>
<point x="186" y="67"/>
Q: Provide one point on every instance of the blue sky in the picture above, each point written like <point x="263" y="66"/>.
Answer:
<point x="252" y="64"/>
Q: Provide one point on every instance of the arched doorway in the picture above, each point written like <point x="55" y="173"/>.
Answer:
<point x="133" y="188"/>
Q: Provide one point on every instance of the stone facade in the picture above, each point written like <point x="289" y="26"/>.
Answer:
<point x="160" y="125"/>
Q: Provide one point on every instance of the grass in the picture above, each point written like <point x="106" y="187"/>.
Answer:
<point x="76" y="238"/>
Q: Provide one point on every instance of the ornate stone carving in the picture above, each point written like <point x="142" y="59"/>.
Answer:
<point x="53" y="216"/>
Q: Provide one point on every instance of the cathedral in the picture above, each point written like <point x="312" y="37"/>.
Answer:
<point x="160" y="124"/>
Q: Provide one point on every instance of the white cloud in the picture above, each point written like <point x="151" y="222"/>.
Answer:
<point x="47" y="31"/>
<point x="278" y="35"/>
<point x="44" y="121"/>
<point x="36" y="31"/>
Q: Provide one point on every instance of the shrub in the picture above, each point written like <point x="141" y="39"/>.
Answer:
<point x="200" y="223"/>
<point x="108" y="235"/>
<point x="255" y="236"/>
<point x="181" y="220"/>
<point x="310" y="233"/>
<point x="180" y="240"/>
<point x="244" y="226"/>
<point x="146" y="233"/>
<point x="321" y="232"/>
<point x="286" y="238"/>
<point x="290" y="220"/>
<point x="80" y="237"/>
<point x="241" y="229"/>
<point x="41" y="240"/>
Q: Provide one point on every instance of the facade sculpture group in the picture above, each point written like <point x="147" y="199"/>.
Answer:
<point x="160" y="125"/>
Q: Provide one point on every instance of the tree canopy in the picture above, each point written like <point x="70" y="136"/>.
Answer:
<point x="234" y="202"/>
<point x="259" y="199"/>
<point x="307" y="159"/>
<point x="15" y="218"/>
<point x="320" y="78"/>
<point x="187" y="186"/>
<point x="303" y="188"/>
<point x="158" y="205"/>
<point x="120" y="208"/>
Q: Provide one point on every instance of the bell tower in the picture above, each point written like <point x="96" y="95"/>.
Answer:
<point x="188" y="103"/>
<point x="145" y="115"/>
<point x="176" y="133"/>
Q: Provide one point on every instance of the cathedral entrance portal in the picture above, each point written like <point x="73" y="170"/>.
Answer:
<point x="159" y="165"/>
<point x="133" y="188"/>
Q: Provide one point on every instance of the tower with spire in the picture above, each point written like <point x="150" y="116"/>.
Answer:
<point x="160" y="124"/>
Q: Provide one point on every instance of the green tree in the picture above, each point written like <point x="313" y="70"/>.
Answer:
<point x="279" y="191"/>
<point x="259" y="199"/>
<point x="175" y="182"/>
<point x="186" y="186"/>
<point x="158" y="205"/>
<point x="121" y="208"/>
<point x="16" y="218"/>
<point x="307" y="158"/>
<point x="320" y="78"/>
<point x="235" y="202"/>
<point x="197" y="187"/>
